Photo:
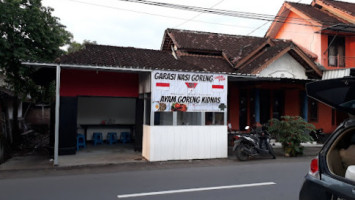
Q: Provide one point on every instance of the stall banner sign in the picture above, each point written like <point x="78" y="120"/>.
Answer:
<point x="188" y="92"/>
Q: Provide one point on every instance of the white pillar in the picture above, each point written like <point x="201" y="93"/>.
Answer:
<point x="57" y="103"/>
<point x="151" y="100"/>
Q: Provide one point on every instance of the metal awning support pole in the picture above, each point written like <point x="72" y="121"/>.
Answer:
<point x="226" y="109"/>
<point x="57" y="103"/>
<point x="305" y="107"/>
<point x="257" y="106"/>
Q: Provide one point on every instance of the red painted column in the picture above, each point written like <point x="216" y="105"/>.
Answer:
<point x="233" y="105"/>
<point x="292" y="103"/>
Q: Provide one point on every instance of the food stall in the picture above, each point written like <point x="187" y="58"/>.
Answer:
<point x="188" y="116"/>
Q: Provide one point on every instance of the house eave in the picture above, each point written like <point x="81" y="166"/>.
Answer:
<point x="135" y="69"/>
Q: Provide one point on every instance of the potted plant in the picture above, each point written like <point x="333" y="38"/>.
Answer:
<point x="291" y="131"/>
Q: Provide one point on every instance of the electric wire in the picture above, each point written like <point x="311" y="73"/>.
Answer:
<point x="257" y="28"/>
<point x="256" y="16"/>
<point x="194" y="17"/>
<point x="248" y="15"/>
<point x="158" y="15"/>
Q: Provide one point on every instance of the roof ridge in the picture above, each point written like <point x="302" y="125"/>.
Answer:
<point x="281" y="40"/>
<point x="343" y="6"/>
<point x="319" y="10"/>
<point x="346" y="2"/>
<point x="214" y="33"/>
<point x="126" y="57"/>
<point x="297" y="3"/>
<point x="126" y="47"/>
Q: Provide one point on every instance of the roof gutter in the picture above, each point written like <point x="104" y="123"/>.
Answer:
<point x="111" y="68"/>
<point x="87" y="67"/>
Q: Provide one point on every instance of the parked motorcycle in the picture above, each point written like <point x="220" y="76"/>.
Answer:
<point x="257" y="143"/>
<point x="319" y="136"/>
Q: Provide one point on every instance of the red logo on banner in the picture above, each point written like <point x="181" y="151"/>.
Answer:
<point x="217" y="86"/>
<point x="162" y="84"/>
<point x="191" y="85"/>
<point x="220" y="78"/>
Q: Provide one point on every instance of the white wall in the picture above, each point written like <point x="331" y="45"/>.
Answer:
<point x="161" y="143"/>
<point x="284" y="67"/>
<point x="94" y="110"/>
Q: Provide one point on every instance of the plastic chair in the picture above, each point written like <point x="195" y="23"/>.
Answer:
<point x="112" y="137"/>
<point x="80" y="141"/>
<point x="125" y="137"/>
<point x="97" y="138"/>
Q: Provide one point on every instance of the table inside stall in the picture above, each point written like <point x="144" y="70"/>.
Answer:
<point x="105" y="128"/>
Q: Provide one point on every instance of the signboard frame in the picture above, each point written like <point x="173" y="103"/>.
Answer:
<point x="188" y="92"/>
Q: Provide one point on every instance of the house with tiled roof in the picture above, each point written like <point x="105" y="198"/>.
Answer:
<point x="128" y="58"/>
<point x="324" y="27"/>
<point x="234" y="53"/>
<point x="279" y="68"/>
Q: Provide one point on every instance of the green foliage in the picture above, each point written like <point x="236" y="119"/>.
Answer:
<point x="291" y="131"/>
<point x="75" y="46"/>
<point x="28" y="32"/>
<point x="43" y="94"/>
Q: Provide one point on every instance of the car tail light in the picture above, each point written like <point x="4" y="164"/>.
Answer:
<point x="314" y="168"/>
<point x="314" y="165"/>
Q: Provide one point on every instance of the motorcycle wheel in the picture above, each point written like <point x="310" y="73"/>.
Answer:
<point x="241" y="155"/>
<point x="271" y="151"/>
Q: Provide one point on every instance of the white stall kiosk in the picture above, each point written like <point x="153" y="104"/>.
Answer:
<point x="188" y="116"/>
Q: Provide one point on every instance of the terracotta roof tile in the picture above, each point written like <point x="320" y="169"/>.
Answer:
<point x="268" y="54"/>
<point x="129" y="57"/>
<point x="220" y="46"/>
<point x="212" y="64"/>
<point x="234" y="46"/>
<point x="344" y="6"/>
<point x="322" y="17"/>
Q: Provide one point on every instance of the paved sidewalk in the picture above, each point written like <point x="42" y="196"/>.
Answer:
<point x="110" y="155"/>
<point x="90" y="156"/>
<point x="309" y="149"/>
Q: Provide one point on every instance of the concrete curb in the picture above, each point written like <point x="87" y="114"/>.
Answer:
<point x="309" y="151"/>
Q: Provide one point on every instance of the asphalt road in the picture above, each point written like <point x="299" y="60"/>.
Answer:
<point x="214" y="179"/>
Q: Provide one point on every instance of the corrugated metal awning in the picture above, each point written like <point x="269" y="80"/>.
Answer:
<point x="347" y="28"/>
<point x="338" y="73"/>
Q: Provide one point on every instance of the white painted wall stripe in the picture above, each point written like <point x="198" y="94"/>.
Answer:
<point x="194" y="190"/>
<point x="162" y="143"/>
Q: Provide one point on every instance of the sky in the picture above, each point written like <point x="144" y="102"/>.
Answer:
<point x="118" y="23"/>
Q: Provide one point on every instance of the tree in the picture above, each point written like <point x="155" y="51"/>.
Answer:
<point x="28" y="31"/>
<point x="75" y="46"/>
